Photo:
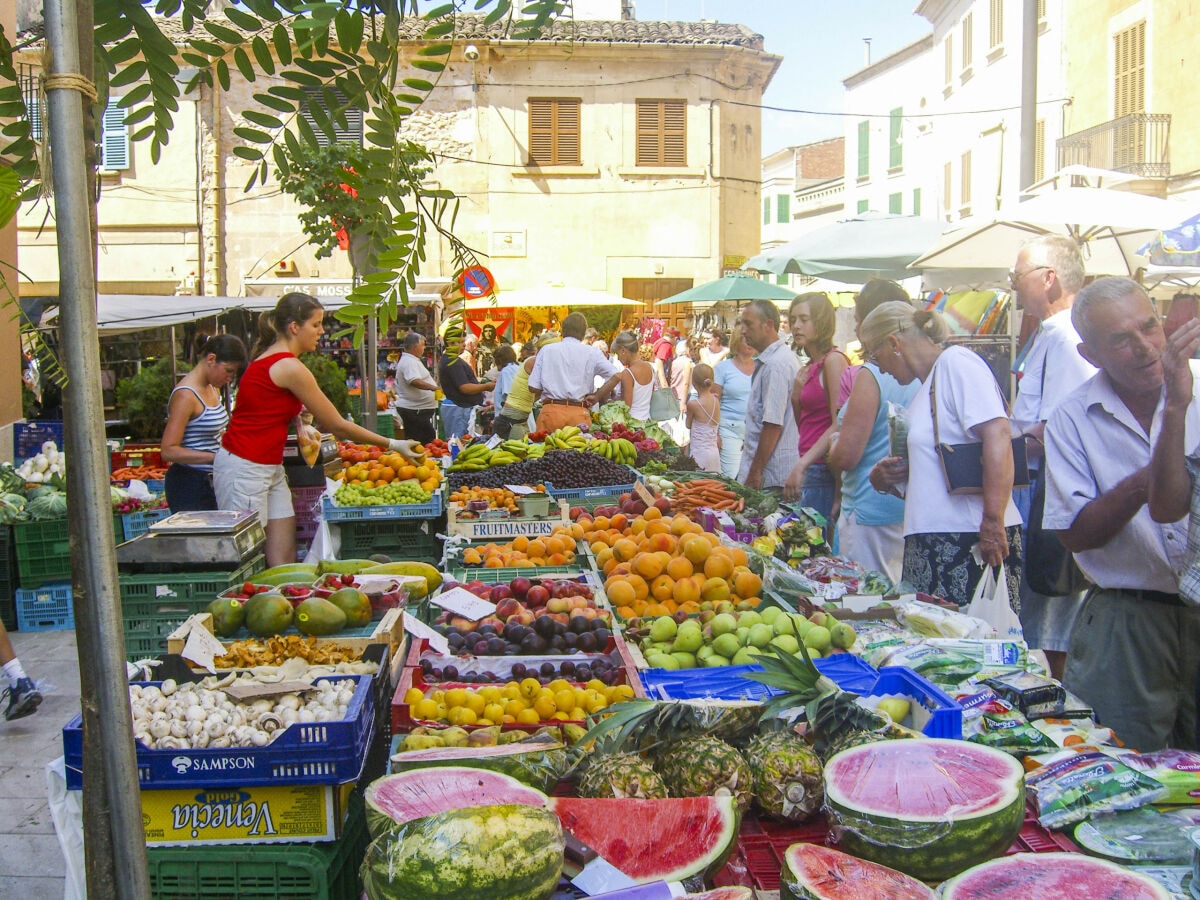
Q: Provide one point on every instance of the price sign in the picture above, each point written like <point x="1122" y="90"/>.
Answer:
<point x="463" y="603"/>
<point x="419" y="629"/>
<point x="520" y="489"/>
<point x="643" y="493"/>
<point x="202" y="645"/>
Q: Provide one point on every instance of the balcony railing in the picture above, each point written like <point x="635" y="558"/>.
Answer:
<point x="1137" y="144"/>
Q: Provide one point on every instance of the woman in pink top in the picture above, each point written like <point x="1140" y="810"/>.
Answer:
<point x="814" y="401"/>
<point x="248" y="468"/>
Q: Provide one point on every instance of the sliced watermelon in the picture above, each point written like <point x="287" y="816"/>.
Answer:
<point x="539" y="764"/>
<point x="813" y="872"/>
<point x="396" y="799"/>
<point x="1051" y="876"/>
<point x="929" y="807"/>
<point x="654" y="840"/>
<point x="722" y="893"/>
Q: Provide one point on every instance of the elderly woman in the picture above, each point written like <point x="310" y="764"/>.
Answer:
<point x="940" y="529"/>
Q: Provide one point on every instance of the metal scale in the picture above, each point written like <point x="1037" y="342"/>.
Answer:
<point x="216" y="538"/>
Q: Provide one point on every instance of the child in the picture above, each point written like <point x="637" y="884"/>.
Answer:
<point x="704" y="420"/>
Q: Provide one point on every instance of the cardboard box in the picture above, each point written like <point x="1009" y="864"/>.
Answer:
<point x="245" y="815"/>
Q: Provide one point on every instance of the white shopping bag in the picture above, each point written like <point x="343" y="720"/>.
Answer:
<point x="990" y="603"/>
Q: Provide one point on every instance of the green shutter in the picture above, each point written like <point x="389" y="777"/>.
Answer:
<point x="864" y="150"/>
<point x="895" y="204"/>
<point x="916" y="210"/>
<point x="895" y="150"/>
<point x="863" y="205"/>
<point x="766" y="210"/>
<point x="783" y="207"/>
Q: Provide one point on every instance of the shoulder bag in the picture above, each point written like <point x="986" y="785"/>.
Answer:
<point x="663" y="404"/>
<point x="962" y="464"/>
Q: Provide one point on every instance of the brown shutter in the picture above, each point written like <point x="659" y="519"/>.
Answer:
<point x="1039" y="149"/>
<point x="661" y="133"/>
<point x="554" y="131"/>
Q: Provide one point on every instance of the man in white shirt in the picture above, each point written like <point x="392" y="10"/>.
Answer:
<point x="564" y="376"/>
<point x="772" y="444"/>
<point x="415" y="401"/>
<point x="1135" y="647"/>
<point x="1045" y="279"/>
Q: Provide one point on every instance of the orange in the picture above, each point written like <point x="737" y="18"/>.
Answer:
<point x="715" y="590"/>
<point x="663" y="588"/>
<point x="648" y="565"/>
<point x="620" y="593"/>
<point x="719" y="564"/>
<point x="680" y="567"/>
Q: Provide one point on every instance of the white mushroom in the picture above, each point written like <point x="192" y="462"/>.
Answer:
<point x="168" y="687"/>
<point x="160" y="728"/>
<point x="178" y="729"/>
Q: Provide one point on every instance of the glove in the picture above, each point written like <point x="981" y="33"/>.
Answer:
<point x="413" y="451"/>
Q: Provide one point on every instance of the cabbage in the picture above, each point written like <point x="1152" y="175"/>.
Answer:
<point x="47" y="505"/>
<point x="11" y="506"/>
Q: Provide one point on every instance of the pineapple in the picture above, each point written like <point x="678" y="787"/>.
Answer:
<point x="642" y="726"/>
<point x="786" y="775"/>
<point x="620" y="775"/>
<point x="705" y="767"/>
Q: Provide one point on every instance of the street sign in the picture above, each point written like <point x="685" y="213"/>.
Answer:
<point x="476" y="282"/>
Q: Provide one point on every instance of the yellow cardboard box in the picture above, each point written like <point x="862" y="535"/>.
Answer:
<point x="248" y="815"/>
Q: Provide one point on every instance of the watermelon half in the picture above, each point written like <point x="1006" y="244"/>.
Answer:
<point x="813" y="872"/>
<point x="928" y="807"/>
<point x="654" y="840"/>
<point x="1051" y="876"/>
<point x="396" y="799"/>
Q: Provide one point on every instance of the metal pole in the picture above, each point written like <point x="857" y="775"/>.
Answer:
<point x="104" y="687"/>
<point x="1029" y="38"/>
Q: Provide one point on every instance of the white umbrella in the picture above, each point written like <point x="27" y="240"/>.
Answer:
<point x="1109" y="226"/>
<point x="556" y="295"/>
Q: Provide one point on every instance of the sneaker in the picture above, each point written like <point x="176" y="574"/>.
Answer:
<point x="23" y="699"/>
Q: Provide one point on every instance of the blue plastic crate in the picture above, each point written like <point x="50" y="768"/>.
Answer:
<point x="589" y="493"/>
<point x="304" y="753"/>
<point x="945" y="712"/>
<point x="45" y="608"/>
<point x="28" y="437"/>
<point x="332" y="513"/>
<point x="138" y="523"/>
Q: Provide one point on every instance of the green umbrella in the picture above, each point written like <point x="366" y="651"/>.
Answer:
<point x="736" y="286"/>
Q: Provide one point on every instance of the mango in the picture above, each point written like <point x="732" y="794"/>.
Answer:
<point x="268" y="614"/>
<point x="355" y="604"/>
<point x="227" y="615"/>
<point x="433" y="578"/>
<point x="318" y="616"/>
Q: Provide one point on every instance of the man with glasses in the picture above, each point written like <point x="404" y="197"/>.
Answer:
<point x="771" y="446"/>
<point x="1045" y="279"/>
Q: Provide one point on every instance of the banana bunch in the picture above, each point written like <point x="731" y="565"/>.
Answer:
<point x="535" y="451"/>
<point x="619" y="450"/>
<point x="518" y="448"/>
<point x="473" y="458"/>
<point x="569" y="437"/>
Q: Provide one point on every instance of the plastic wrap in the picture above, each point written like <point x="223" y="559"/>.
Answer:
<point x="897" y="422"/>
<point x="932" y="621"/>
<point x="939" y="666"/>
<point x="992" y="722"/>
<point x="472" y="853"/>
<point x="537" y="763"/>
<point x="1176" y="770"/>
<point x="809" y="870"/>
<point x="1086" y="784"/>
<point x="1138" y="837"/>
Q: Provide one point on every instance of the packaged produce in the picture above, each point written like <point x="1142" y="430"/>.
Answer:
<point x="897" y="422"/>
<point x="1085" y="784"/>
<point x="938" y="665"/>
<point x="994" y="656"/>
<point x="929" y="620"/>
<point x="1034" y="695"/>
<point x="1176" y="770"/>
<point x="1142" y="836"/>
<point x="989" y="720"/>
<point x="1073" y="732"/>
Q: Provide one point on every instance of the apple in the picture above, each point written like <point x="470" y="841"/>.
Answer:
<point x="520" y="586"/>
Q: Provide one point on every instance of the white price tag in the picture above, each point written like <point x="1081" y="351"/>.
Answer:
<point x="419" y="629"/>
<point x="521" y="489"/>
<point x="202" y="646"/>
<point x="462" y="602"/>
<point x="494" y="441"/>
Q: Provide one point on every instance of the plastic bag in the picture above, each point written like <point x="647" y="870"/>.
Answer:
<point x="929" y="620"/>
<point x="991" y="604"/>
<point x="308" y="439"/>
<point x="897" y="422"/>
<point x="1085" y="784"/>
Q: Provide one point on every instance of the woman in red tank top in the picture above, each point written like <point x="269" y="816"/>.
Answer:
<point x="814" y="402"/>
<point x="248" y="469"/>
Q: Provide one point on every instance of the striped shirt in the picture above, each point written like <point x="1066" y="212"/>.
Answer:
<point x="204" y="432"/>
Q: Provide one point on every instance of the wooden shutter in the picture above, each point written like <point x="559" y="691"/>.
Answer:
<point x="766" y="210"/>
<point x="345" y="122"/>
<point x="965" y="183"/>
<point x="949" y="54"/>
<point x="895" y="203"/>
<point x="783" y="207"/>
<point x="947" y="184"/>
<point x="895" y="150"/>
<point x="1129" y="71"/>
<point x="864" y="149"/>
<point x="916" y="208"/>
<point x="968" y="40"/>
<point x="996" y="24"/>
<point x="1041" y="10"/>
<point x="661" y="133"/>
<point x="864" y="205"/>
<point x="1039" y="149"/>
<point x="554" y="138"/>
<point x="114" y="139"/>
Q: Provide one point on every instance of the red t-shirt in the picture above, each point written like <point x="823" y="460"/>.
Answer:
<point x="664" y="348"/>
<point x="258" y="428"/>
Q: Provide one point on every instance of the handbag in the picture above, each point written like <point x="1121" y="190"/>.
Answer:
<point x="663" y="404"/>
<point x="990" y="603"/>
<point x="1050" y="567"/>
<point x="962" y="464"/>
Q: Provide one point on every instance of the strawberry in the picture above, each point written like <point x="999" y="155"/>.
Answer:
<point x="249" y="589"/>
<point x="348" y="580"/>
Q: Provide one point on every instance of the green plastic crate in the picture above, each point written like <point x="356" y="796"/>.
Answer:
<point x="325" y="871"/>
<point x="8" y="578"/>
<point x="401" y="539"/>
<point x="385" y="425"/>
<point x="44" y="550"/>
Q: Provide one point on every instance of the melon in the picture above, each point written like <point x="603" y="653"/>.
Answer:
<point x="732" y="892"/>
<point x="502" y="852"/>
<point x="654" y="840"/>
<point x="930" y="807"/>
<point x="813" y="872"/>
<point x="395" y="799"/>
<point x="538" y="765"/>
<point x="1051" y="876"/>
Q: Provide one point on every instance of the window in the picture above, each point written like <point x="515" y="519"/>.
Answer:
<point x="1039" y="149"/>
<point x="864" y="205"/>
<point x="114" y="139"/>
<point x="783" y="208"/>
<point x="327" y="107"/>
<point x="965" y="183"/>
<point x="996" y="25"/>
<point x="661" y="133"/>
<point x="1041" y="14"/>
<point x="948" y="47"/>
<point x="766" y="210"/>
<point x="947" y="206"/>
<point x="1129" y="71"/>
<point x="895" y="204"/>
<point x="968" y="40"/>
<point x="864" y="149"/>
<point x="554" y="131"/>
<point x="916" y="209"/>
<point x="895" y="151"/>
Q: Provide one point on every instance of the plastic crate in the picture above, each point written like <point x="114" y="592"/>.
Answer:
<point x="757" y="857"/>
<point x="408" y="540"/>
<point x="28" y="437"/>
<point x="304" y="753"/>
<point x="306" y="502"/>
<point x="47" y="608"/>
<point x="8" y="579"/>
<point x="138" y="523"/>
<point x="325" y="871"/>
<point x="43" y="550"/>
<point x="385" y="425"/>
<point x="333" y="513"/>
<point x="600" y="493"/>
<point x="136" y="455"/>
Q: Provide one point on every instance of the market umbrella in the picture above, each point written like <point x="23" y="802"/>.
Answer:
<point x="871" y="245"/>
<point x="1109" y="225"/>
<point x="1176" y="246"/>
<point x="557" y="295"/>
<point x="735" y="286"/>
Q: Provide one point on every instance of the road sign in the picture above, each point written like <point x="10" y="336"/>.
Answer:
<point x="476" y="282"/>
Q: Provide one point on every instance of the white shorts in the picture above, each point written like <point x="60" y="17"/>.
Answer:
<point x="878" y="547"/>
<point x="241" y="484"/>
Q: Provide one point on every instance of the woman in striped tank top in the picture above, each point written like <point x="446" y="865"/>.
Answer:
<point x="196" y="419"/>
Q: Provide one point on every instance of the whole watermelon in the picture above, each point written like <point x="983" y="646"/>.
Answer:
<point x="506" y="852"/>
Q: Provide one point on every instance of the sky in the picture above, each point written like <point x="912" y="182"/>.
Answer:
<point x="821" y="43"/>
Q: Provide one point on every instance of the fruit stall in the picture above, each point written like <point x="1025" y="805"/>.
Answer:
<point x="620" y="678"/>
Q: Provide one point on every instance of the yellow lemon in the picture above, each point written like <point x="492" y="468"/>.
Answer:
<point x="413" y="696"/>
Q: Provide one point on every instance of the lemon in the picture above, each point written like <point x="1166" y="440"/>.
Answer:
<point x="490" y="694"/>
<point x="596" y="685"/>
<point x="467" y="716"/>
<point x="511" y="691"/>
<point x="545" y="708"/>
<point x="559" y="684"/>
<point x="561" y="716"/>
<point x="596" y="702"/>
<point x="619" y="692"/>
<point x="456" y="697"/>
<point x="530" y="688"/>
<point x="528" y="717"/>
<point x="564" y="699"/>
<point x="494" y="712"/>
<point x="425" y="709"/>
<point x="475" y="702"/>
<point x="413" y="696"/>
<point x="515" y="706"/>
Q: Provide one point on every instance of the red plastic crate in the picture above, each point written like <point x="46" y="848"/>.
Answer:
<point x="757" y="857"/>
<point x="136" y="455"/>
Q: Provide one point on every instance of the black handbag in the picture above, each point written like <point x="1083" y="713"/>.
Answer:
<point x="962" y="464"/>
<point x="1050" y="567"/>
